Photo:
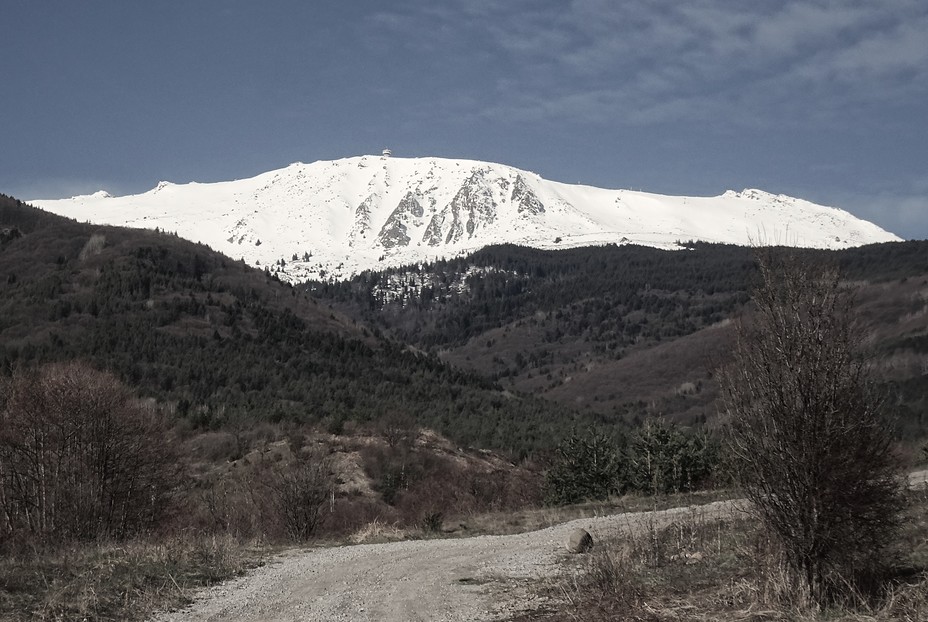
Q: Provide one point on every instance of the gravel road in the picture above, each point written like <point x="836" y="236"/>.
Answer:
<point x="450" y="580"/>
<point x="464" y="579"/>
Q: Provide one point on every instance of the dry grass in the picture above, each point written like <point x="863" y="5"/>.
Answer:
<point x="378" y="531"/>
<point x="708" y="569"/>
<point x="116" y="582"/>
<point x="534" y="518"/>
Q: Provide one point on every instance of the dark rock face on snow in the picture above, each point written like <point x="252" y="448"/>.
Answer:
<point x="395" y="231"/>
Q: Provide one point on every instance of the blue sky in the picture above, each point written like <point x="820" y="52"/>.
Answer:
<point x="826" y="100"/>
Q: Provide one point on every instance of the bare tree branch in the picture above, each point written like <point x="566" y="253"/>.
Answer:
<point x="806" y="430"/>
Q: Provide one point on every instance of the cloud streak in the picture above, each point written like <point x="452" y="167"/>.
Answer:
<point x="644" y="63"/>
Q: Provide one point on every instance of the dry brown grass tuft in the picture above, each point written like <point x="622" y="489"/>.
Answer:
<point x="128" y="581"/>
<point x="378" y="531"/>
<point x="533" y="518"/>
<point x="700" y="568"/>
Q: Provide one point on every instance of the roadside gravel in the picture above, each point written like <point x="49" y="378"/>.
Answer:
<point x="448" y="580"/>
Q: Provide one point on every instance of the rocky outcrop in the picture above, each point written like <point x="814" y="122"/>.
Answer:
<point x="395" y="230"/>
<point x="472" y="207"/>
<point x="527" y="201"/>
<point x="362" y="219"/>
<point x="432" y="235"/>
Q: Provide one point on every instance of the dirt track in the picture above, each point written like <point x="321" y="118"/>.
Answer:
<point x="480" y="578"/>
<point x="468" y="579"/>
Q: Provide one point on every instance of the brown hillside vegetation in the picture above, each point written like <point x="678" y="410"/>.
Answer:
<point x="894" y="316"/>
<point x="705" y="568"/>
<point x="674" y="378"/>
<point x="812" y="452"/>
<point x="211" y="503"/>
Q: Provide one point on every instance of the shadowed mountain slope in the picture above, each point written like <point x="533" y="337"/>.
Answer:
<point x="220" y="341"/>
<point x="627" y="331"/>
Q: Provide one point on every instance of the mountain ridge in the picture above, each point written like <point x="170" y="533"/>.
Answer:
<point x="333" y="219"/>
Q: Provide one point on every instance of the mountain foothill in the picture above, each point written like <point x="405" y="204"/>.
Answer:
<point x="506" y="348"/>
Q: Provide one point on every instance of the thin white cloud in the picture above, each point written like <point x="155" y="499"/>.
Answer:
<point x="901" y="51"/>
<point x="665" y="59"/>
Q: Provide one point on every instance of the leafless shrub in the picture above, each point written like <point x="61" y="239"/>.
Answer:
<point x="432" y="521"/>
<point x="80" y="458"/>
<point x="231" y="506"/>
<point x="810" y="444"/>
<point x="397" y="429"/>
<point x="300" y="492"/>
<point x="612" y="575"/>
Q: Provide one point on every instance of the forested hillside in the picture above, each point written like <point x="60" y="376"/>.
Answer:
<point x="221" y="343"/>
<point x="628" y="331"/>
<point x="605" y="334"/>
<point x="593" y="292"/>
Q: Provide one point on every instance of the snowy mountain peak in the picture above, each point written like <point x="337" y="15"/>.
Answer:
<point x="330" y="219"/>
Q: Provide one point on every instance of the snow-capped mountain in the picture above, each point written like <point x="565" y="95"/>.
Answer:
<point x="331" y="219"/>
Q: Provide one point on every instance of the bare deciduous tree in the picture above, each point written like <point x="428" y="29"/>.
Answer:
<point x="813" y="451"/>
<point x="300" y="492"/>
<point x="80" y="458"/>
